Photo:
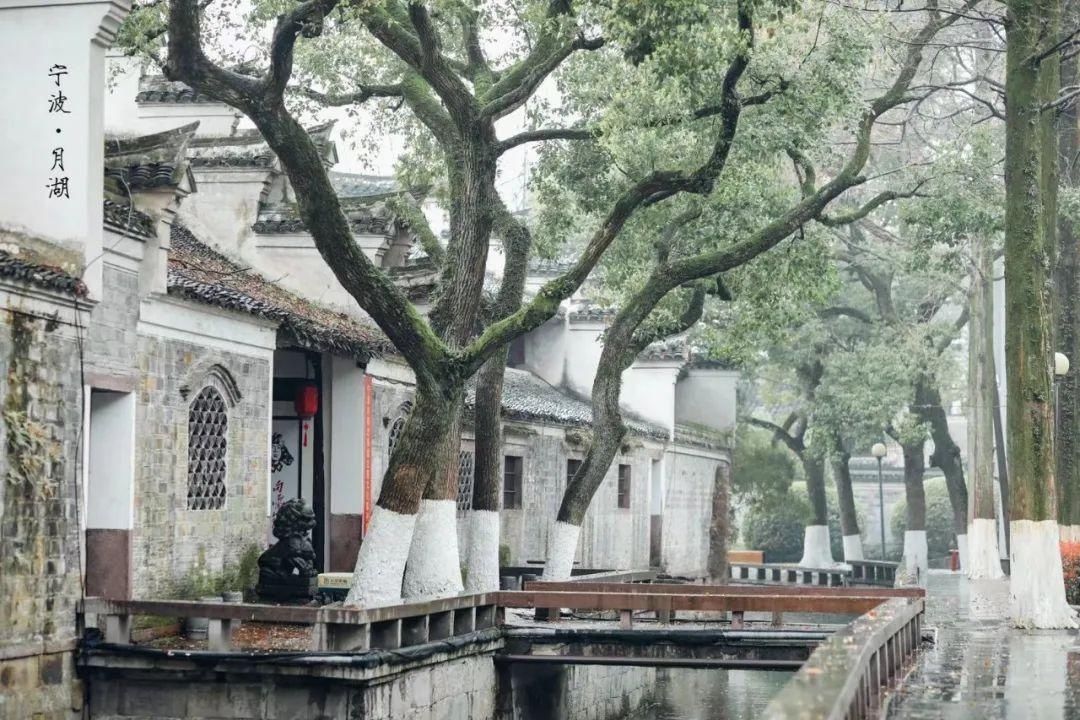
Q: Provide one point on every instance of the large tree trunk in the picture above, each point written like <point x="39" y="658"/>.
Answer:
<point x="984" y="558"/>
<point x="817" y="548"/>
<point x="608" y="431"/>
<point x="946" y="456"/>
<point x="482" y="519"/>
<point x="622" y="344"/>
<point x="849" y="517"/>
<point x="1066" y="296"/>
<point x="1037" y="585"/>
<point x="720" y="525"/>
<point x="914" y="564"/>
<point x="417" y="458"/>
<point x="434" y="567"/>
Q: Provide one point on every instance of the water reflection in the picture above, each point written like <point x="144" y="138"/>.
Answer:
<point x="684" y="694"/>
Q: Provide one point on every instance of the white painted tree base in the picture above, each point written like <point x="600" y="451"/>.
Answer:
<point x="482" y="551"/>
<point x="434" y="567"/>
<point x="1037" y="587"/>
<point x="962" y="551"/>
<point x="380" y="565"/>
<point x="562" y="546"/>
<point x="983" y="555"/>
<point x="1069" y="533"/>
<point x="853" y="548"/>
<point x="817" y="550"/>
<point x="913" y="565"/>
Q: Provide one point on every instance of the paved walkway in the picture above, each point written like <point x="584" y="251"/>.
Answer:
<point x="983" y="669"/>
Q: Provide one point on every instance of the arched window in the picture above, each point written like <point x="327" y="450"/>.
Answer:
<point x="208" y="427"/>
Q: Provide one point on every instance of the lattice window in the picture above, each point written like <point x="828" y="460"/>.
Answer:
<point x="397" y="426"/>
<point x="466" y="473"/>
<point x="208" y="426"/>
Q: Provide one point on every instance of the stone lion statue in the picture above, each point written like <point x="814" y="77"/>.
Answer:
<point x="287" y="568"/>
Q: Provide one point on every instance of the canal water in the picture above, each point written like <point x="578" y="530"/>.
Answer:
<point x="686" y="694"/>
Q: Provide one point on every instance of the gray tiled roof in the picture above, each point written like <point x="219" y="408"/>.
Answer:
<point x="528" y="398"/>
<point x="29" y="269"/>
<point x="248" y="148"/>
<point x="199" y="273"/>
<point x="122" y="216"/>
<point x="357" y="185"/>
<point x="676" y="349"/>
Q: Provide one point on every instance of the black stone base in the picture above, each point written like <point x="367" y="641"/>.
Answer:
<point x="300" y="589"/>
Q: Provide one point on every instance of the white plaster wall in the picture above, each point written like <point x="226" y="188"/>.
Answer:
<point x="688" y="492"/>
<point x="110" y="494"/>
<point x="545" y="350"/>
<point x="649" y="390"/>
<point x="582" y="356"/>
<point x="35" y="37"/>
<point x="707" y="397"/>
<point x="124" y="115"/>
<point x="223" y="210"/>
<point x="347" y="431"/>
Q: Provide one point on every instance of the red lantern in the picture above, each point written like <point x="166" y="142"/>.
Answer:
<point x="306" y="401"/>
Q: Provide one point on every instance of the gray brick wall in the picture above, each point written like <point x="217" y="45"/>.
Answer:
<point x="168" y="539"/>
<point x="111" y="337"/>
<point x="39" y="528"/>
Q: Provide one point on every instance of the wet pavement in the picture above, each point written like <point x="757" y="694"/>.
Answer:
<point x="982" y="668"/>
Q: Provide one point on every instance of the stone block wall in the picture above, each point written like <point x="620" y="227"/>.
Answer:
<point x="40" y="392"/>
<point x="611" y="536"/>
<point x="112" y="339"/>
<point x="169" y="539"/>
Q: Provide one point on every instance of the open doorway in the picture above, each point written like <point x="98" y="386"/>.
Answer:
<point x="110" y="493"/>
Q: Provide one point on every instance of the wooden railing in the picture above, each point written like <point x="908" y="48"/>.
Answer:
<point x="664" y="600"/>
<point x="845" y="677"/>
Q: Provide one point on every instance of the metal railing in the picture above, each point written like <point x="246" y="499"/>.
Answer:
<point x="845" y="677"/>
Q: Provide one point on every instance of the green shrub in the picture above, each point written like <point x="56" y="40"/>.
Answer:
<point x="776" y="527"/>
<point x="940" y="534"/>
<point x="776" y="524"/>
<point x="200" y="581"/>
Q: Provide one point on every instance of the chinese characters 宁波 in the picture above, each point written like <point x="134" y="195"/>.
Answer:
<point x="57" y="185"/>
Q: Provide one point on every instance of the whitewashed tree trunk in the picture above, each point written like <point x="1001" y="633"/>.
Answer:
<point x="1037" y="586"/>
<point x="853" y="548"/>
<point x="482" y="551"/>
<point x="983" y="554"/>
<point x="914" y="564"/>
<point x="817" y="550"/>
<point x="562" y="546"/>
<point x="434" y="566"/>
<point x="381" y="563"/>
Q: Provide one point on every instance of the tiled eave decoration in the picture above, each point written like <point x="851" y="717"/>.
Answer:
<point x="198" y="273"/>
<point x="42" y="275"/>
<point x="122" y="217"/>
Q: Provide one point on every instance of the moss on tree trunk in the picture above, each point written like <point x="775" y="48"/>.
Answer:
<point x="1030" y="218"/>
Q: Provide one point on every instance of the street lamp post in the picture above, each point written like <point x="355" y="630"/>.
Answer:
<point x="879" y="451"/>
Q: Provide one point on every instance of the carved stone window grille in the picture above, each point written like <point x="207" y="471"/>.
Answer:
<point x="397" y="428"/>
<point x="208" y="425"/>
<point x="466" y="473"/>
